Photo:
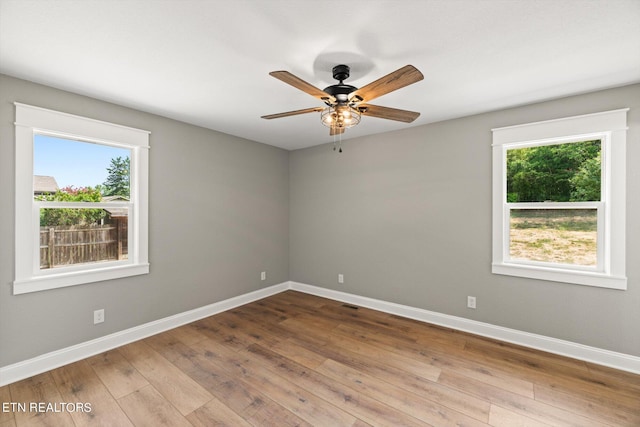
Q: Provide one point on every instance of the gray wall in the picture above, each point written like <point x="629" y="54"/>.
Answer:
<point x="406" y="217"/>
<point x="218" y="216"/>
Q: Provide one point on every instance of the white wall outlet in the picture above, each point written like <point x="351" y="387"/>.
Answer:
<point x="263" y="275"/>
<point x="471" y="302"/>
<point x="98" y="316"/>
<point x="340" y="278"/>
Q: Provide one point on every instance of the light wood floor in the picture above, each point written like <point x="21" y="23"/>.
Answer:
<point x="296" y="359"/>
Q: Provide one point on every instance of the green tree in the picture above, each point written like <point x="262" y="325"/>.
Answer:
<point x="51" y="217"/>
<point x="586" y="181"/>
<point x="117" y="183"/>
<point x="547" y="172"/>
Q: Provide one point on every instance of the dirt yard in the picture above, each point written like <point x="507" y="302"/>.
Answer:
<point x="558" y="236"/>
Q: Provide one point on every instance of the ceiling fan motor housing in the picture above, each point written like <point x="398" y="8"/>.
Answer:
<point x="340" y="91"/>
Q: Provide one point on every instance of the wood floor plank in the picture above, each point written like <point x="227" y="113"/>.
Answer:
<point x="292" y="349"/>
<point x="255" y="332"/>
<point x="406" y="379"/>
<point x="296" y="399"/>
<point x="218" y="326"/>
<point x="500" y="417"/>
<point x="365" y="318"/>
<point x="383" y="357"/>
<point x="216" y="413"/>
<point x="531" y="362"/>
<point x="269" y="314"/>
<point x="527" y="407"/>
<point x="561" y="377"/>
<point x="8" y="422"/>
<point x="77" y="382"/>
<point x="116" y="373"/>
<point x="411" y="377"/>
<point x="242" y="398"/>
<point x="187" y="334"/>
<point x="598" y="408"/>
<point x="439" y="359"/>
<point x="298" y="299"/>
<point x="301" y="331"/>
<point x="5" y="399"/>
<point x="360" y="405"/>
<point x="409" y="403"/>
<point x="46" y="419"/>
<point x="169" y="346"/>
<point x="176" y="386"/>
<point x="147" y="406"/>
<point x="530" y="356"/>
<point x="317" y="327"/>
<point x="612" y="374"/>
<point x="39" y="388"/>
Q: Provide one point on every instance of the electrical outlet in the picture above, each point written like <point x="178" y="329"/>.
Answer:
<point x="263" y="275"/>
<point x="98" y="316"/>
<point x="340" y="278"/>
<point x="471" y="302"/>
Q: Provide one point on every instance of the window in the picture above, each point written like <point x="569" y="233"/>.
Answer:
<point x="559" y="200"/>
<point x="81" y="200"/>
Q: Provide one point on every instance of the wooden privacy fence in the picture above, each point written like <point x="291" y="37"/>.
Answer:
<point x="66" y="245"/>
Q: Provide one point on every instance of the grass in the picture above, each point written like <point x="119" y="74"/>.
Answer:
<point x="566" y="236"/>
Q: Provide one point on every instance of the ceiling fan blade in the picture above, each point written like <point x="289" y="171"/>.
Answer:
<point x="335" y="131"/>
<point x="398" y="79"/>
<point x="298" y="83"/>
<point x="388" y="113"/>
<point x="292" y="113"/>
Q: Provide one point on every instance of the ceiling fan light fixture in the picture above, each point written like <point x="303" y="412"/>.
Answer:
<point x="340" y="116"/>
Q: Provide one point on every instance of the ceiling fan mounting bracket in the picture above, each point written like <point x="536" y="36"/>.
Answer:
<point x="341" y="72"/>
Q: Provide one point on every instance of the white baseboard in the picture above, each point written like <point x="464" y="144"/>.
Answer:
<point x="55" y="359"/>
<point x="595" y="355"/>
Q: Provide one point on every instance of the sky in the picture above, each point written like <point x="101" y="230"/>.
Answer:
<point x="76" y="163"/>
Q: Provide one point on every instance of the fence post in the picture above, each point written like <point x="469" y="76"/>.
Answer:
<point x="52" y="234"/>
<point x="118" y="231"/>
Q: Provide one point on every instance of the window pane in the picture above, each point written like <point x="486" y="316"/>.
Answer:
<point x="568" y="172"/>
<point x="78" y="236"/>
<point x="70" y="165"/>
<point x="565" y="236"/>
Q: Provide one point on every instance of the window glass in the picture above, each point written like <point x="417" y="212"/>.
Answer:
<point x="67" y="170"/>
<point x="69" y="166"/>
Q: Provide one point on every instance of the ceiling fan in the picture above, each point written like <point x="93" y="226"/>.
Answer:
<point x="345" y="104"/>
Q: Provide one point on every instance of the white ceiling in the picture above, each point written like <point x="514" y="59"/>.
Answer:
<point x="206" y="62"/>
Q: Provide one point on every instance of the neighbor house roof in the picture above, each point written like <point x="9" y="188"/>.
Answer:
<point x="116" y="212"/>
<point x="44" y="184"/>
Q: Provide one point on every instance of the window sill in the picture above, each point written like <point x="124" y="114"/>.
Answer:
<point x="586" y="278"/>
<point x="64" y="279"/>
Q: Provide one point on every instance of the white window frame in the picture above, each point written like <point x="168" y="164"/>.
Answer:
<point x="29" y="277"/>
<point x="610" y="127"/>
